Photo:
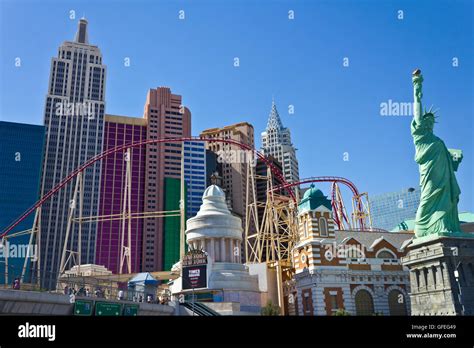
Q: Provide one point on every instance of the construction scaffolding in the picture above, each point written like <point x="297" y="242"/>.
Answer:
<point x="270" y="236"/>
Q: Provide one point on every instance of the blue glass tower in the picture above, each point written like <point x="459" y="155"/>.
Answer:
<point x="389" y="209"/>
<point x="194" y="175"/>
<point x="20" y="167"/>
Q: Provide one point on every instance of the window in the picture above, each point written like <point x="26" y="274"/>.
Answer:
<point x="364" y="303"/>
<point x="333" y="302"/>
<point x="323" y="227"/>
<point x="425" y="277"/>
<point x="417" y="275"/>
<point x="434" y="271"/>
<point x="396" y="303"/>
<point x="305" y="229"/>
<point x="307" y="302"/>
<point x="385" y="254"/>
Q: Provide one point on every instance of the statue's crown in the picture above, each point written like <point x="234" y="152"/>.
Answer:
<point x="431" y="114"/>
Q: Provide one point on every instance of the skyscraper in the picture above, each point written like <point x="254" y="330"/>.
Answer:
<point x="121" y="130"/>
<point x="74" y="120"/>
<point x="166" y="118"/>
<point x="20" y="167"/>
<point x="276" y="141"/>
<point x="234" y="168"/>
<point x="390" y="209"/>
<point x="194" y="175"/>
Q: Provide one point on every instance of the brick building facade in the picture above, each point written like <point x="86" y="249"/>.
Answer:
<point x="356" y="271"/>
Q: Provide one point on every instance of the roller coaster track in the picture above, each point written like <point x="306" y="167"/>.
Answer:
<point x="359" y="208"/>
<point x="124" y="147"/>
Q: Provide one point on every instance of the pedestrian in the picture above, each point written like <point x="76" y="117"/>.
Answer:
<point x="16" y="284"/>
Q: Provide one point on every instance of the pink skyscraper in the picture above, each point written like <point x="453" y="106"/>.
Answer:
<point x="166" y="118"/>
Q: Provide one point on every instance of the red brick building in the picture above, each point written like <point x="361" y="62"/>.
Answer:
<point x="356" y="271"/>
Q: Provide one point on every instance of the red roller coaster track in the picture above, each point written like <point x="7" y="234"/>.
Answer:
<point x="106" y="153"/>
<point x="285" y="186"/>
<point x="332" y="179"/>
<point x="338" y="179"/>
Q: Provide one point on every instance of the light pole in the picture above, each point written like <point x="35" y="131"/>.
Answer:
<point x="456" y="276"/>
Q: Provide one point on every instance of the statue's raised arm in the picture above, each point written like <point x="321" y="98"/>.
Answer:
<point x="417" y="79"/>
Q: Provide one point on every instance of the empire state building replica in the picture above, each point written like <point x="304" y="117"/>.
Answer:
<point x="74" y="119"/>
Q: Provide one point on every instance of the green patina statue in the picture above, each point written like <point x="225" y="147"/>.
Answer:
<point x="437" y="213"/>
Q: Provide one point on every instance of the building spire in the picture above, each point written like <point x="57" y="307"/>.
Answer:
<point x="274" y="121"/>
<point x="81" y="34"/>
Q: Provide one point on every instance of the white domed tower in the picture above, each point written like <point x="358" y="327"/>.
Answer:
<point x="214" y="229"/>
<point x="219" y="233"/>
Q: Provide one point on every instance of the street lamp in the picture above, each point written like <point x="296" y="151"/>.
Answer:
<point x="456" y="276"/>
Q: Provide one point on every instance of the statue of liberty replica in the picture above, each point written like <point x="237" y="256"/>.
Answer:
<point x="438" y="210"/>
<point x="440" y="257"/>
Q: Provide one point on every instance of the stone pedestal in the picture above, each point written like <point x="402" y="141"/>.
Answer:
<point x="436" y="287"/>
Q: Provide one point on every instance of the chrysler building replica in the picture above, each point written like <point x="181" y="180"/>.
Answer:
<point x="276" y="141"/>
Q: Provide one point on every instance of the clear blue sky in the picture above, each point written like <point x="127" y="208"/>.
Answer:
<point x="299" y="61"/>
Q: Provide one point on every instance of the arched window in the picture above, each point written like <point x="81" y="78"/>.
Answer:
<point x="396" y="303"/>
<point x="385" y="254"/>
<point x="364" y="303"/>
<point x="323" y="227"/>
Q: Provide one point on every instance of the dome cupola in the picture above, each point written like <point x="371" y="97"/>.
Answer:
<point x="312" y="199"/>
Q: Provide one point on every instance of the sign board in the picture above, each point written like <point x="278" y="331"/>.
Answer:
<point x="107" y="309"/>
<point x="194" y="277"/>
<point x="194" y="258"/>
<point x="130" y="310"/>
<point x="83" y="307"/>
